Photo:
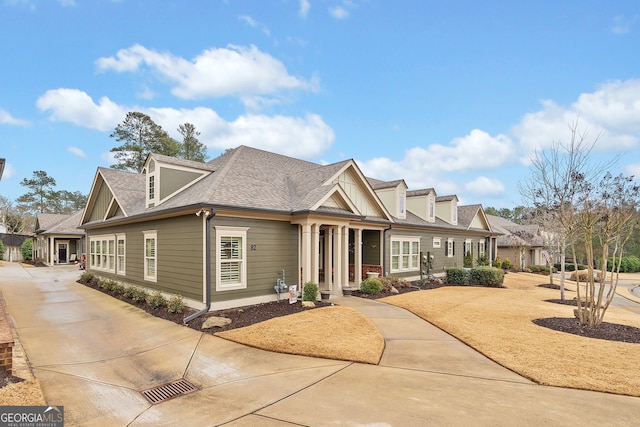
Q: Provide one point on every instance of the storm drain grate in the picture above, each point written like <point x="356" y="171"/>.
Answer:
<point x="168" y="391"/>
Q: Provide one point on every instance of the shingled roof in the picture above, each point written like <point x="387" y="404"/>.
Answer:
<point x="59" y="224"/>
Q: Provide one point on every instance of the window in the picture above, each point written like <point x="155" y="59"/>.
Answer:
<point x="150" y="255"/>
<point x="450" y="249"/>
<point x="481" y="250"/>
<point x="405" y="254"/>
<point x="231" y="265"/>
<point x="468" y="247"/>
<point x="436" y="242"/>
<point x="121" y="253"/>
<point x="152" y="187"/>
<point x="432" y="208"/>
<point x="102" y="253"/>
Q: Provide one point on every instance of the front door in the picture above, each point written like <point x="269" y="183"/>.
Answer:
<point x="62" y="252"/>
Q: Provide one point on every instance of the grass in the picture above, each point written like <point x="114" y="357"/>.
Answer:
<point x="498" y="323"/>
<point x="331" y="332"/>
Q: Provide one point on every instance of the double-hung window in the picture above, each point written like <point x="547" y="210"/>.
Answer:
<point x="231" y="261"/>
<point x="150" y="256"/>
<point x="450" y="249"/>
<point x="102" y="253"/>
<point x="121" y="246"/>
<point x="405" y="254"/>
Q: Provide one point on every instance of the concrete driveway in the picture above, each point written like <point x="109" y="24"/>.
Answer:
<point x="96" y="355"/>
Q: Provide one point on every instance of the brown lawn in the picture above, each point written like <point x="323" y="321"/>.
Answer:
<point x="331" y="332"/>
<point x="498" y="323"/>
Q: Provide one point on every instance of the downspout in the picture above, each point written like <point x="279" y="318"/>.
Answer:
<point x="209" y="214"/>
<point x="384" y="250"/>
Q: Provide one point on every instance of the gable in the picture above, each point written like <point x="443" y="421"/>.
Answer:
<point x="479" y="222"/>
<point x="360" y="193"/>
<point x="101" y="203"/>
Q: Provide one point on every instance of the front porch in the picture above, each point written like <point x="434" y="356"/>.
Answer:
<point x="339" y="255"/>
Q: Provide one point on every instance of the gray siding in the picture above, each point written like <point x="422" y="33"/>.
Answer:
<point x="271" y="247"/>
<point x="102" y="203"/>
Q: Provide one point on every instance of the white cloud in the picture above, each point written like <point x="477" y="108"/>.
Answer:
<point x="432" y="165"/>
<point x="77" y="151"/>
<point x="75" y="106"/>
<point x="622" y="25"/>
<point x="7" y="119"/>
<point x="303" y="11"/>
<point x="633" y="170"/>
<point x="305" y="137"/>
<point x="255" y="24"/>
<point x="234" y="70"/>
<point x="9" y="171"/>
<point x="609" y="114"/>
<point x="483" y="186"/>
<point x="339" y="12"/>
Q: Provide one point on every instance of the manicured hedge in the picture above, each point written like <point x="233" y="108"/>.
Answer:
<point x="481" y="276"/>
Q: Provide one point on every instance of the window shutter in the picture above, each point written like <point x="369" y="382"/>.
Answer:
<point x="454" y="248"/>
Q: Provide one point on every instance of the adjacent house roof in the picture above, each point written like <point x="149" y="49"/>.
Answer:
<point x="59" y="224"/>
<point x="514" y="234"/>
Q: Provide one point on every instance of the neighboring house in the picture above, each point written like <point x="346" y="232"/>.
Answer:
<point x="261" y="217"/>
<point x="57" y="239"/>
<point x="523" y="245"/>
<point x="13" y="246"/>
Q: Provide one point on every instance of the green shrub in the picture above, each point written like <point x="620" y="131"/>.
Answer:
<point x="497" y="263"/>
<point x="27" y="250"/>
<point x="506" y="264"/>
<point x="487" y="276"/>
<point x="468" y="260"/>
<point x="156" y="299"/>
<point x="391" y="281"/>
<point x="175" y="304"/>
<point x="457" y="276"/>
<point x="371" y="286"/>
<point x="86" y="277"/>
<point x="1" y="249"/>
<point x="482" y="260"/>
<point x="129" y="291"/>
<point x="309" y="291"/>
<point x="139" y="295"/>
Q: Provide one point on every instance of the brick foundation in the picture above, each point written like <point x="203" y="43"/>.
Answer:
<point x="6" y="339"/>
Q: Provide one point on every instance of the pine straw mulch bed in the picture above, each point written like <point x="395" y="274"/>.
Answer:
<point x="16" y="391"/>
<point x="501" y="323"/>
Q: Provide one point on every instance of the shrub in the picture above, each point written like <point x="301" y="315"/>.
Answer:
<point x="309" y="291"/>
<point x="27" y="250"/>
<point x="390" y="281"/>
<point x="156" y="299"/>
<point x="497" y="263"/>
<point x="139" y="295"/>
<point x="1" y="249"/>
<point x="482" y="260"/>
<point x="468" y="260"/>
<point x="86" y="277"/>
<point x="487" y="276"/>
<point x="457" y="276"/>
<point x="129" y="291"/>
<point x="371" y="286"/>
<point x="506" y="264"/>
<point x="175" y="304"/>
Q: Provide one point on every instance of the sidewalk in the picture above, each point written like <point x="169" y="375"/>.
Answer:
<point x="95" y="355"/>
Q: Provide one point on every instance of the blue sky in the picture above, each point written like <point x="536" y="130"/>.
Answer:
<point x="454" y="95"/>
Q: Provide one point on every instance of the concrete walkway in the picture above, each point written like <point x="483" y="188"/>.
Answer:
<point x="95" y="355"/>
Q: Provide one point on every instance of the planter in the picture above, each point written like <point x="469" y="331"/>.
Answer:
<point x="325" y="295"/>
<point x="347" y="292"/>
<point x="372" y="275"/>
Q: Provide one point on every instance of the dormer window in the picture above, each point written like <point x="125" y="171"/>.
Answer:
<point x="402" y="199"/>
<point x="151" y="184"/>
<point x="432" y="209"/>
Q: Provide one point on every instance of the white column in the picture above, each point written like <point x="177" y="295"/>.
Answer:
<point x="381" y="244"/>
<point x="315" y="253"/>
<point x="357" y="256"/>
<point x="328" y="257"/>
<point x="306" y="254"/>
<point x="51" y="251"/>
<point x="345" y="254"/>
<point x="339" y="263"/>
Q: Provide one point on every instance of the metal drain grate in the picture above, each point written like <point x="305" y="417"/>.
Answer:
<point x="168" y="391"/>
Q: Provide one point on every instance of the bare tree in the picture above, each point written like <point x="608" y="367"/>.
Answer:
<point x="552" y="188"/>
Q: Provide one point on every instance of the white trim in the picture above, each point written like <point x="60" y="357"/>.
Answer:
<point x="238" y="232"/>
<point x="98" y="259"/>
<point x="437" y="242"/>
<point x="413" y="256"/>
<point x="121" y="265"/>
<point x="150" y="235"/>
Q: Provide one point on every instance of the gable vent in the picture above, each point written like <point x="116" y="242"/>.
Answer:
<point x="169" y="391"/>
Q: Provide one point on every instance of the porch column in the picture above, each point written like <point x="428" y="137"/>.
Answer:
<point x="345" y="255"/>
<point x="357" y="257"/>
<point x="305" y="260"/>
<point x="383" y="267"/>
<point x="339" y="264"/>
<point x="328" y="257"/>
<point x="315" y="253"/>
<point x="51" y="250"/>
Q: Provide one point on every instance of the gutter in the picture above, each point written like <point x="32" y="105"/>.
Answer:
<point x="209" y="214"/>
